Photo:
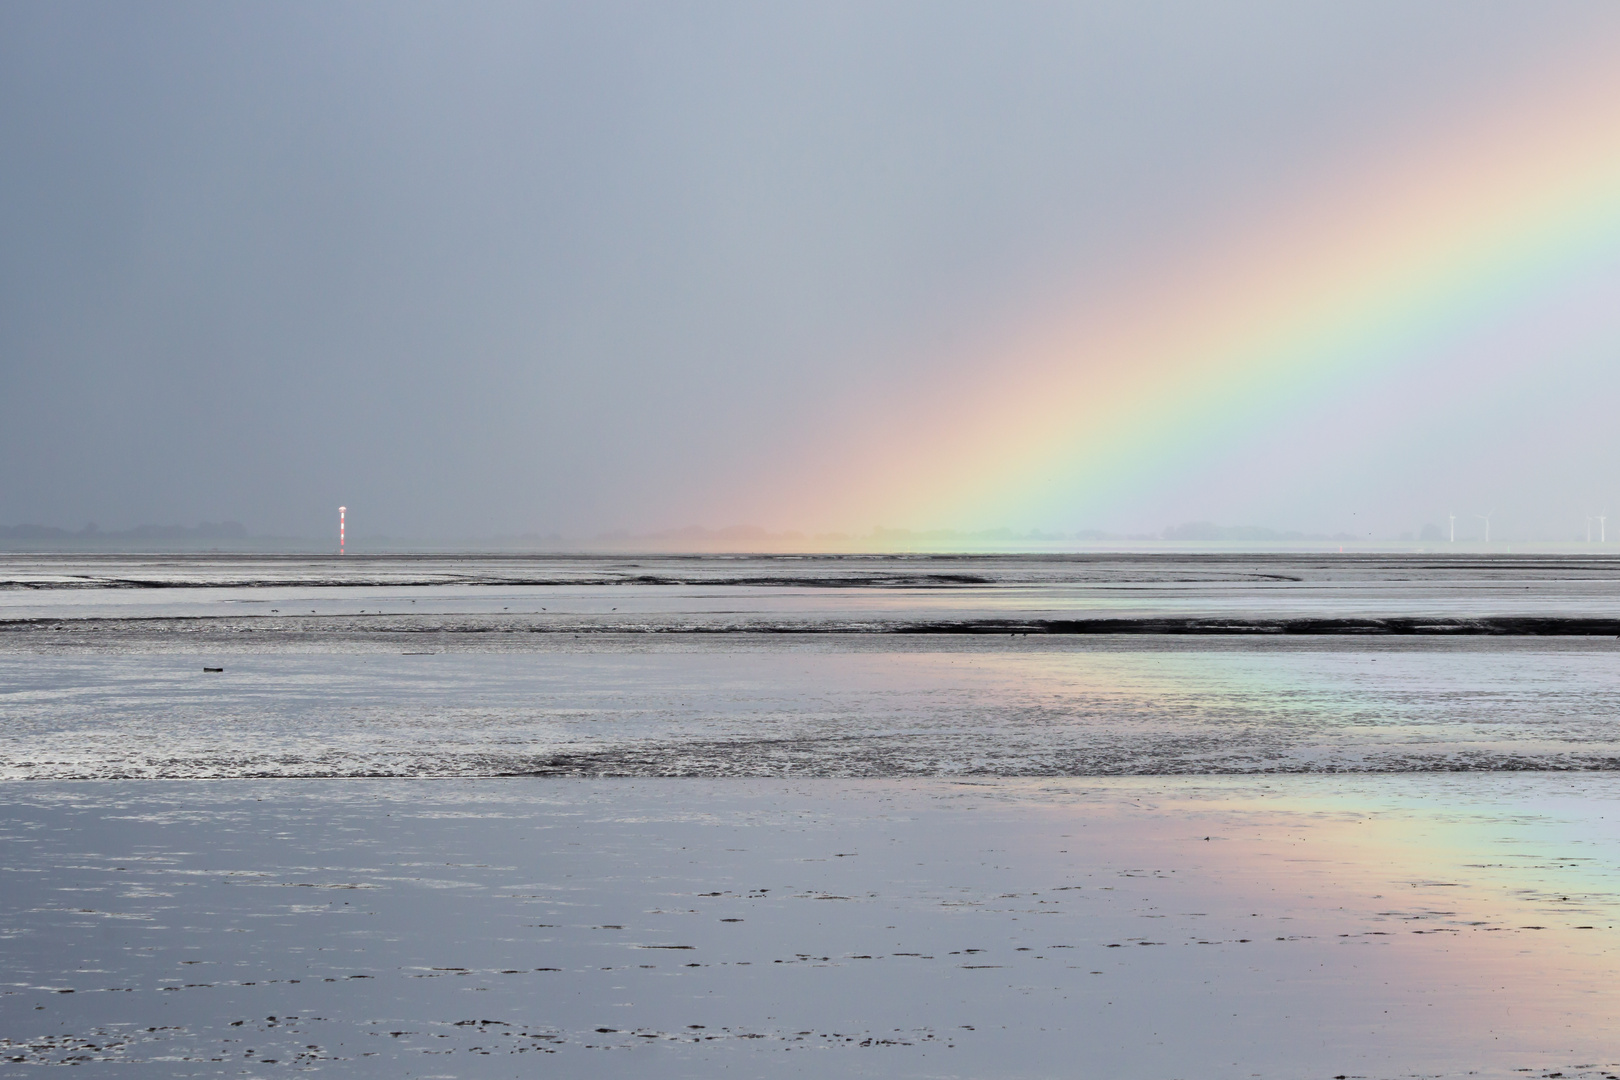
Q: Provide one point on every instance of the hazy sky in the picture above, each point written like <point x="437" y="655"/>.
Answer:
<point x="483" y="268"/>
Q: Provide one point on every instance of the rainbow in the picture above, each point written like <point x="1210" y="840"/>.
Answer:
<point x="1402" y="263"/>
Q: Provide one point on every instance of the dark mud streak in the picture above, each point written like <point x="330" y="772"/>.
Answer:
<point x="872" y="581"/>
<point x="1405" y="626"/>
<point x="691" y="763"/>
<point x="1514" y="625"/>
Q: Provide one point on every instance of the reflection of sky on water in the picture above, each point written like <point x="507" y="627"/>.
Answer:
<point x="1422" y="923"/>
<point x="1529" y="845"/>
<point x="1487" y="906"/>
<point x="1372" y="926"/>
<point x="140" y="705"/>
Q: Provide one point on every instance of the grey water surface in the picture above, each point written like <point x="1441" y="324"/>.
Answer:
<point x="815" y="666"/>
<point x="1113" y="815"/>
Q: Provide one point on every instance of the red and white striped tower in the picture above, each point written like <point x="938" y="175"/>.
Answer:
<point x="341" y="511"/>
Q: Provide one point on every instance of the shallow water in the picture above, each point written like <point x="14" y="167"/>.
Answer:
<point x="827" y="817"/>
<point x="1173" y="927"/>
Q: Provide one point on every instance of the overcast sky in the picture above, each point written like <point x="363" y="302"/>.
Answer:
<point x="481" y="268"/>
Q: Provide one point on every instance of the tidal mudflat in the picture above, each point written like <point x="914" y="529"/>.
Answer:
<point x="762" y="817"/>
<point x="1414" y="925"/>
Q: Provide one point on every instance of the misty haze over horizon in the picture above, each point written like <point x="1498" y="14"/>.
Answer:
<point x="581" y="271"/>
<point x="210" y="535"/>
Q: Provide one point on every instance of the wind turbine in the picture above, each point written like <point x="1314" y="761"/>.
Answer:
<point x="1486" y="518"/>
<point x="1453" y="518"/>
<point x="1603" y="537"/>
